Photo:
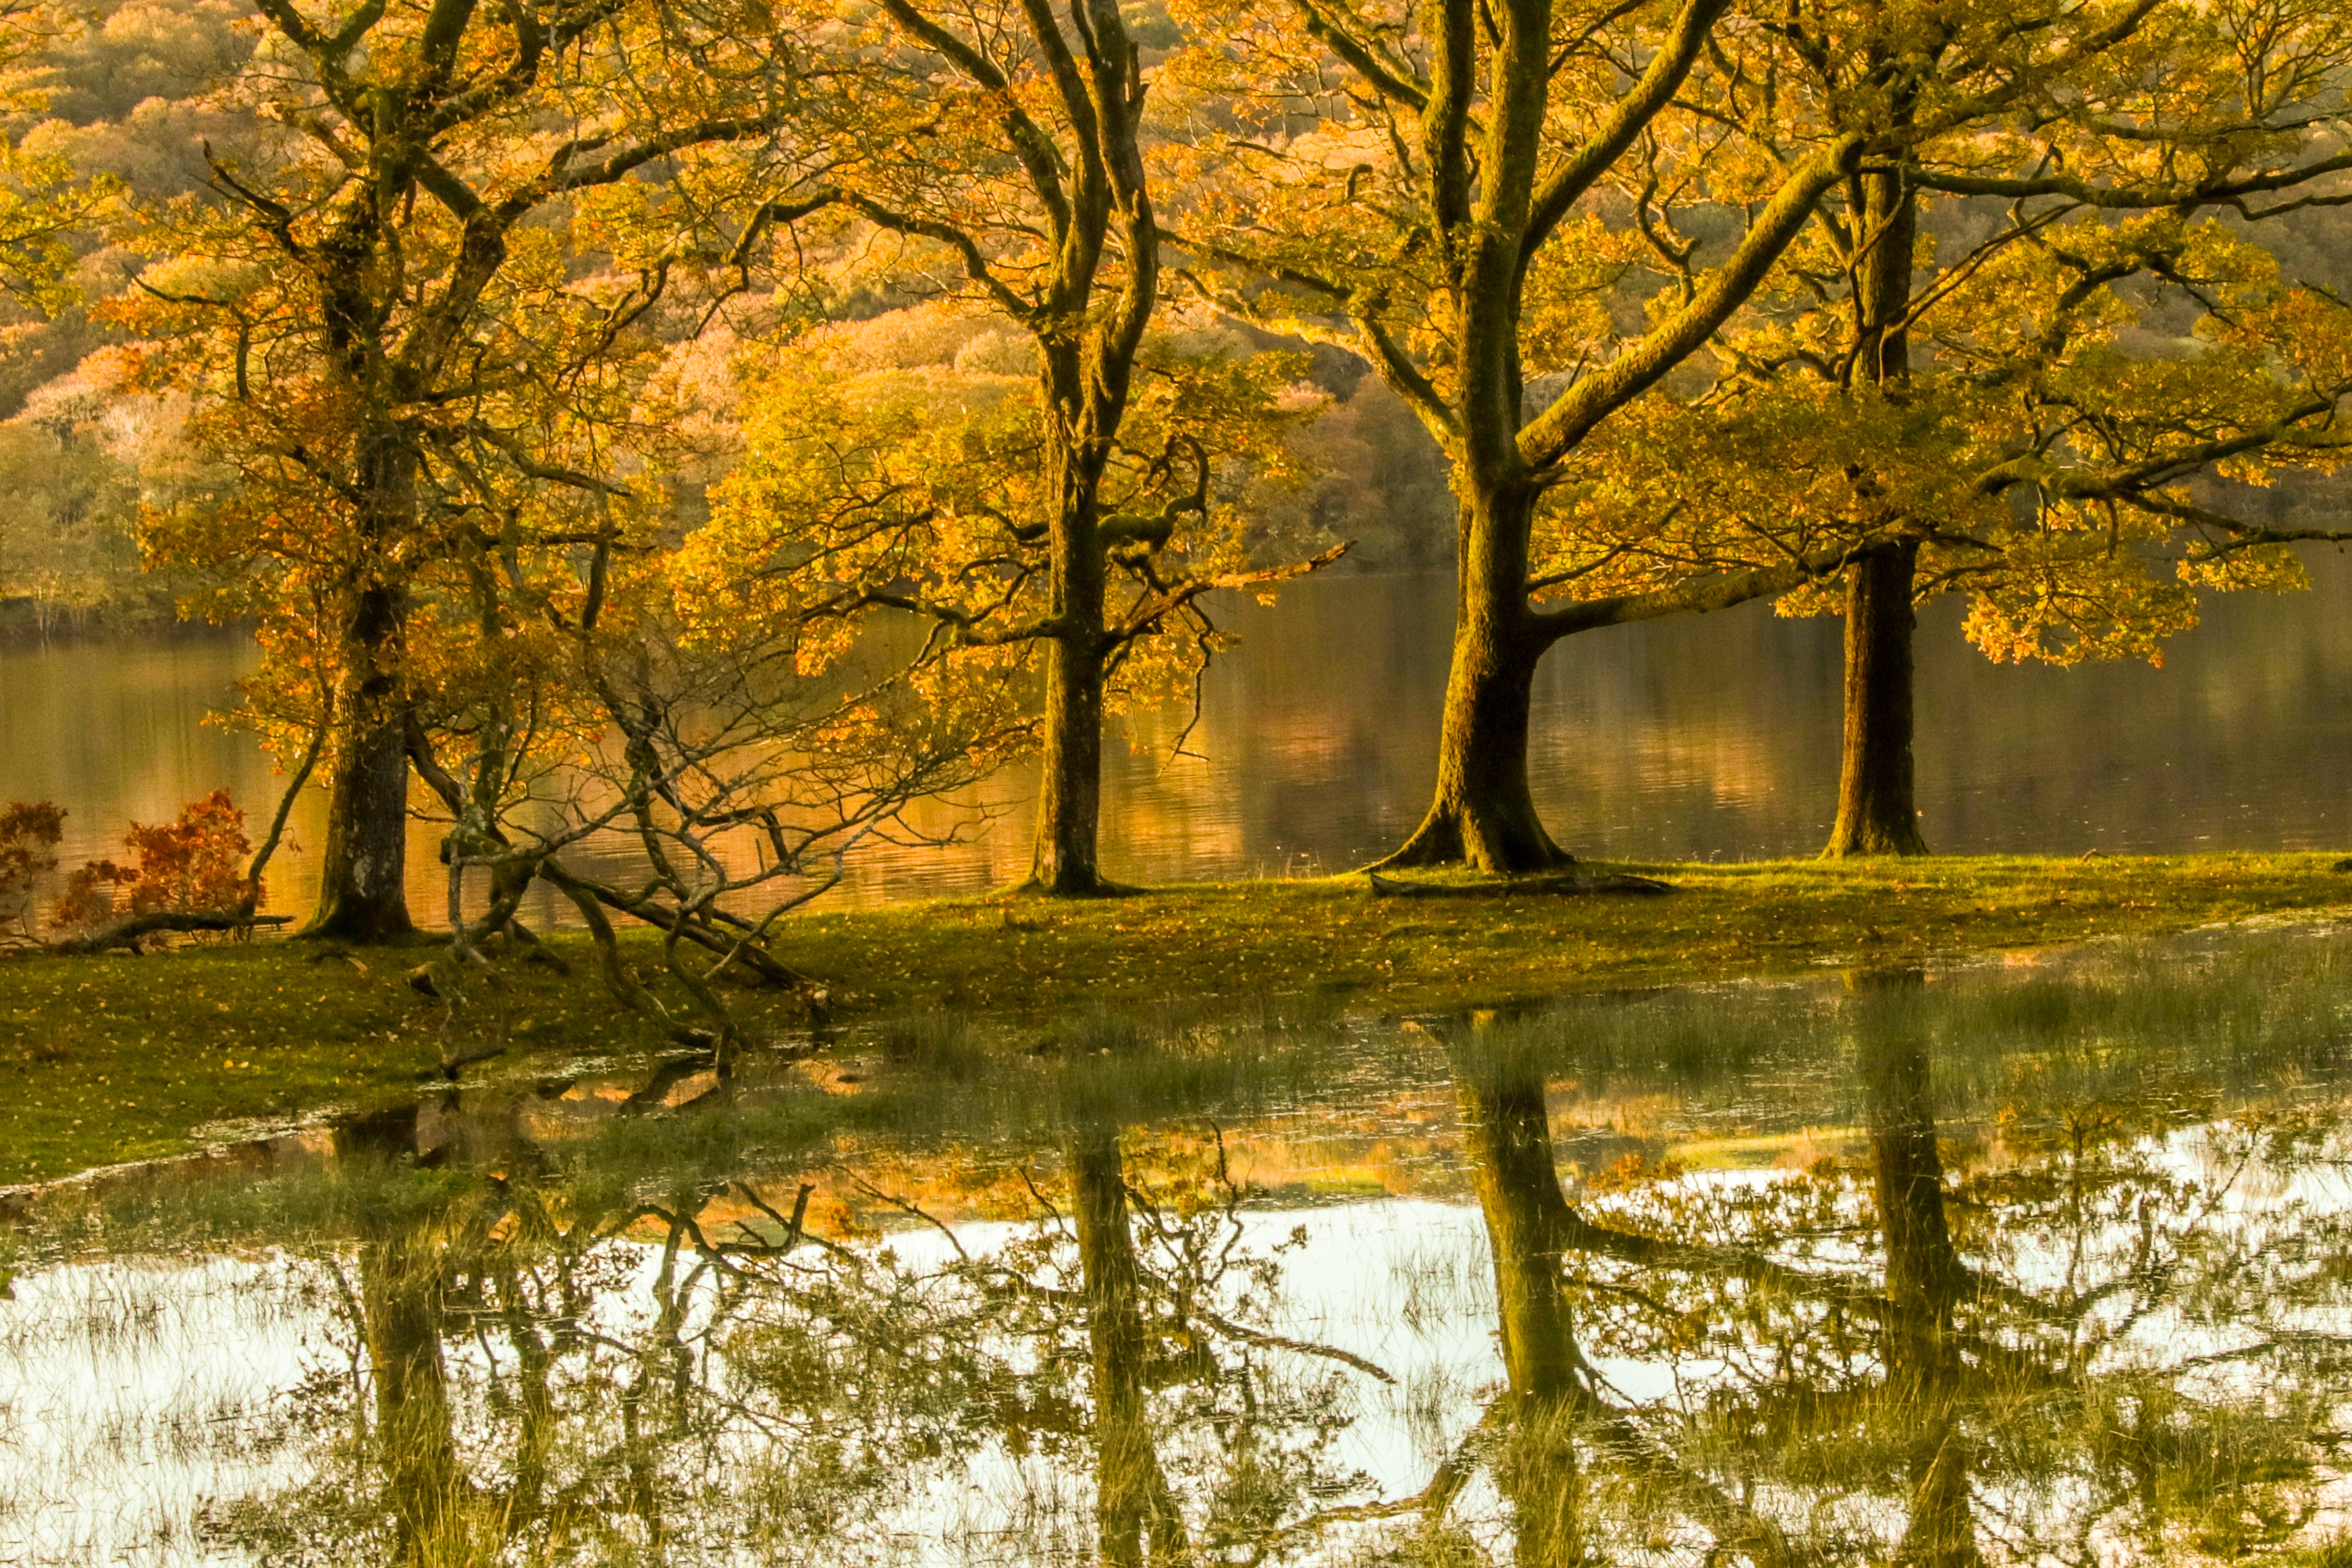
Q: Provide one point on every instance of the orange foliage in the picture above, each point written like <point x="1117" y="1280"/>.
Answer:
<point x="194" y="863"/>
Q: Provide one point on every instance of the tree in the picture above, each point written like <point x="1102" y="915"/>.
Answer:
<point x="742" y="759"/>
<point x="413" y="317"/>
<point x="896" y="480"/>
<point x="1004" y="148"/>
<point x="2051" y="466"/>
<point x="2021" y="259"/>
<point x="1474" y="208"/>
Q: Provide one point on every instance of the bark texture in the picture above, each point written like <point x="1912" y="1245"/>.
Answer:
<point x="1877" y="810"/>
<point x="1069" y="798"/>
<point x="363" y="877"/>
<point x="1484" y="811"/>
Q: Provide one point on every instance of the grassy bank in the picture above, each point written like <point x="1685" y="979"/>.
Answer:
<point x="119" y="1058"/>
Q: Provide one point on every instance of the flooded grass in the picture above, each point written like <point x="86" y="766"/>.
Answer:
<point x="125" y="1059"/>
<point x="543" y="1321"/>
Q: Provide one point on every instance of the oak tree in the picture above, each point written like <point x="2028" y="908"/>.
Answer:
<point x="1471" y="198"/>
<point x="413" y="317"/>
<point x="1001" y="149"/>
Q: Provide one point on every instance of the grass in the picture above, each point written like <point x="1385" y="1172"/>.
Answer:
<point x="111" y="1060"/>
<point x="1239" y="939"/>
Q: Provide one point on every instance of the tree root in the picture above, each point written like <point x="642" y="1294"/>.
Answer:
<point x="1443" y="839"/>
<point x="1075" y="888"/>
<point x="1570" y="884"/>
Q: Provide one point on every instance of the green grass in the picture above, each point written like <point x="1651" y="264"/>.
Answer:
<point x="118" y="1058"/>
<point x="1239" y="939"/>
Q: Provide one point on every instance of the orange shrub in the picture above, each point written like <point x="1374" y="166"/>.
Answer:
<point x="194" y="863"/>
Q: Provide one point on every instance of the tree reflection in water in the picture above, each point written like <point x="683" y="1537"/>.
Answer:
<point x="2120" y="1363"/>
<point x="2110" y="1331"/>
<point x="520" y="1380"/>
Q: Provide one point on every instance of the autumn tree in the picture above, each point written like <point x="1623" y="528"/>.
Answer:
<point x="412" y="316"/>
<point x="2053" y="308"/>
<point x="1001" y="152"/>
<point x="1469" y="200"/>
<point x="899" y="471"/>
<point x="45" y="202"/>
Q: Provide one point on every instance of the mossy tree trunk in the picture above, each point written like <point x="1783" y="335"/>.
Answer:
<point x="364" y="874"/>
<point x="1485" y="809"/>
<point x="363" y="877"/>
<point x="1878" y="809"/>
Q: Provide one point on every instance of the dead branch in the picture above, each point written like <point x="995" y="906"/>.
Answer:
<point x="129" y="931"/>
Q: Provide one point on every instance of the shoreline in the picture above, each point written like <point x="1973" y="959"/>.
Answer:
<point x="118" y="1060"/>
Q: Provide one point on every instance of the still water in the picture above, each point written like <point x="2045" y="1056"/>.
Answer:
<point x="1705" y="737"/>
<point x="1974" y="1265"/>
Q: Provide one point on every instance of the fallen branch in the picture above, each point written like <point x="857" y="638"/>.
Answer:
<point x="697" y="930"/>
<point x="1565" y="884"/>
<point x="129" y="931"/>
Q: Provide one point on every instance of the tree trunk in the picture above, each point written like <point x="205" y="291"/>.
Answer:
<point x="1877" y="810"/>
<point x="363" y="880"/>
<point x="1484" y="813"/>
<point x="1069" y="798"/>
<point x="363" y="883"/>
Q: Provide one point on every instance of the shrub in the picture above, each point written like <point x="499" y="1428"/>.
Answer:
<point x="194" y="863"/>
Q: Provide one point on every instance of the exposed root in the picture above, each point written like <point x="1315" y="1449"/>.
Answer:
<point x="1070" y="885"/>
<point x="1515" y="887"/>
<point x="1444" y="840"/>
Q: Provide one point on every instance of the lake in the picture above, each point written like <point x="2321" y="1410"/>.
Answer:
<point x="1705" y="737"/>
<point x="1973" y="1263"/>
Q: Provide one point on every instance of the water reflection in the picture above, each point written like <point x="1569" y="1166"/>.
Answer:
<point x="1921" y="1269"/>
<point x="1705" y="737"/>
